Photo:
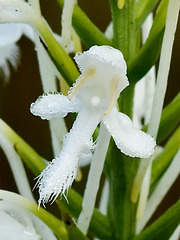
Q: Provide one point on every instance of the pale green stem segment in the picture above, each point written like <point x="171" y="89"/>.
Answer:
<point x="87" y="31"/>
<point x="66" y="22"/>
<point x="66" y="35"/>
<point x="93" y="181"/>
<point x="165" y="58"/>
<point x="55" y="224"/>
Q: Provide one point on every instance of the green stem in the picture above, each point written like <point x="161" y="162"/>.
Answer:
<point x="120" y="171"/>
<point x="124" y="28"/>
<point x="87" y="31"/>
<point x="58" y="55"/>
<point x="126" y="100"/>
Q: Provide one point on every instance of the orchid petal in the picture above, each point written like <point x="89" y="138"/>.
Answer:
<point x="59" y="175"/>
<point x="10" y="228"/>
<point x="10" y="33"/>
<point x="9" y="53"/>
<point x="54" y="105"/>
<point x="85" y="159"/>
<point x="129" y="140"/>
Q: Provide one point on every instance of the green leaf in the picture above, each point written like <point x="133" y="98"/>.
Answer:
<point x="164" y="226"/>
<point x="161" y="163"/>
<point x="143" y="9"/>
<point x="149" y="53"/>
<point x="170" y="119"/>
<point x="87" y="31"/>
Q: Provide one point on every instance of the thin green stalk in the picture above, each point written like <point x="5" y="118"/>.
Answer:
<point x="66" y="23"/>
<point x="120" y="169"/>
<point x="58" y="55"/>
<point x="87" y="31"/>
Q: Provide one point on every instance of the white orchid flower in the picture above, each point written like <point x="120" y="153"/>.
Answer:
<point x="93" y="96"/>
<point x="9" y="51"/>
<point x="10" y="228"/>
<point x="15" y="223"/>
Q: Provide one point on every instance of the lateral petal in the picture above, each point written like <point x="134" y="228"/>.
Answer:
<point x="131" y="141"/>
<point x="54" y="105"/>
